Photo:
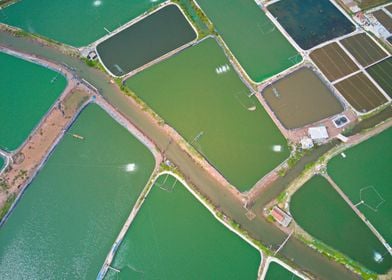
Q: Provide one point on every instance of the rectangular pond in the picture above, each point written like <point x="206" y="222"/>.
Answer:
<point x="333" y="61"/>
<point x="311" y="22"/>
<point x="199" y="94"/>
<point x="74" y="22"/>
<point x="27" y="92"/>
<point x="145" y="41"/>
<point x="276" y="271"/>
<point x="301" y="98"/>
<point x="365" y="174"/>
<point x="70" y="215"/>
<point x="251" y="36"/>
<point x="175" y="237"/>
<point x="382" y="74"/>
<point x="363" y="49"/>
<point x="322" y="212"/>
<point x="361" y="93"/>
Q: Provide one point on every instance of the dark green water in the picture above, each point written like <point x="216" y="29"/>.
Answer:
<point x="74" y="22"/>
<point x="212" y="112"/>
<point x="145" y="41"/>
<point x="26" y="94"/>
<point x="367" y="167"/>
<point x="381" y="72"/>
<point x="311" y="22"/>
<point x="176" y="237"/>
<point x="70" y="215"/>
<point x="250" y="35"/>
<point x="320" y="211"/>
<point x="277" y="272"/>
<point x="259" y="228"/>
<point x="2" y="162"/>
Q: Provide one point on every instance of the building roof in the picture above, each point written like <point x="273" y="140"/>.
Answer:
<point x="280" y="216"/>
<point x="318" y="133"/>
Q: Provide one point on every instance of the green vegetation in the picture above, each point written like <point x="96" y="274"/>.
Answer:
<point x="7" y="205"/>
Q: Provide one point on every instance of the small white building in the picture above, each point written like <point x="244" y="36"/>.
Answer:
<point x="306" y="143"/>
<point x="318" y="134"/>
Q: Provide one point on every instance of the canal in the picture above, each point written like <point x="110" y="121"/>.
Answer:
<point x="258" y="228"/>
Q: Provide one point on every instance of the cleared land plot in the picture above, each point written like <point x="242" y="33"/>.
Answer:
<point x="277" y="272"/>
<point x="361" y="93"/>
<point x="384" y="19"/>
<point x="74" y="22"/>
<point x="146" y="40"/>
<point x="366" y="174"/>
<point x="301" y="99"/>
<point x="382" y="74"/>
<point x="69" y="216"/>
<point x="333" y="61"/>
<point x="167" y="243"/>
<point x="311" y="22"/>
<point x="320" y="211"/>
<point x="199" y="94"/>
<point x="364" y="49"/>
<point x="258" y="45"/>
<point x="367" y="4"/>
<point x="27" y="91"/>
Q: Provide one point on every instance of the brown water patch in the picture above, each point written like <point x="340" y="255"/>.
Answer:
<point x="333" y="61"/>
<point x="361" y="93"/>
<point x="301" y="99"/>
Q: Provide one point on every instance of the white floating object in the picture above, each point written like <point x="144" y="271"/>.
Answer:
<point x="130" y="167"/>
<point x="277" y="148"/>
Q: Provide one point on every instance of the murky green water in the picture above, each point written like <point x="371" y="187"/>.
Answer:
<point x="146" y="40"/>
<point x="251" y="36"/>
<point x="69" y="217"/>
<point x="2" y="162"/>
<point x="366" y="174"/>
<point x="74" y="22"/>
<point x="311" y="22"/>
<point x="176" y="237"/>
<point x="277" y="272"/>
<point x="259" y="228"/>
<point x="210" y="108"/>
<point x="27" y="91"/>
<point x="320" y="211"/>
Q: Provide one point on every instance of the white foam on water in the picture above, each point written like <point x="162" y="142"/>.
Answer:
<point x="222" y="69"/>
<point x="377" y="257"/>
<point x="97" y="3"/>
<point x="153" y="1"/>
<point x="130" y="167"/>
<point x="277" y="148"/>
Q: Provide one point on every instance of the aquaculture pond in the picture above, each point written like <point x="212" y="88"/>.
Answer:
<point x="70" y="215"/>
<point x="27" y="91"/>
<point x="365" y="174"/>
<point x="277" y="272"/>
<point x="252" y="37"/>
<point x="333" y="61"/>
<point x="381" y="73"/>
<point x="199" y="94"/>
<point x="301" y="98"/>
<point x="167" y="29"/>
<point x="74" y="22"/>
<point x="2" y="163"/>
<point x="311" y="22"/>
<point x="363" y="49"/>
<point x="175" y="237"/>
<point x="323" y="213"/>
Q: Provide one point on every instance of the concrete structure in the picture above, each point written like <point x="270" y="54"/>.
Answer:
<point x="281" y="216"/>
<point x="306" y="143"/>
<point x="318" y="134"/>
